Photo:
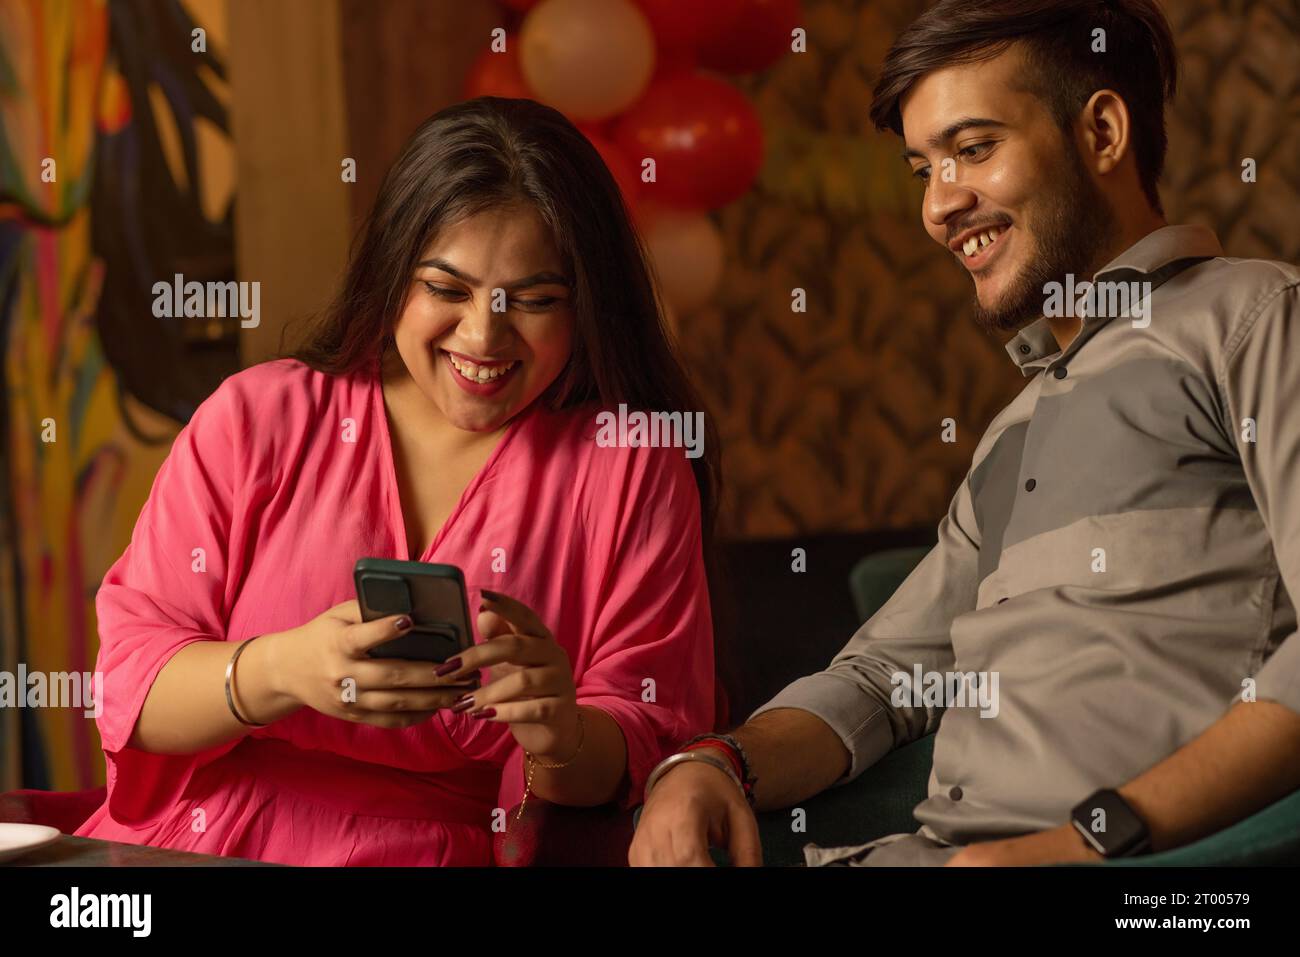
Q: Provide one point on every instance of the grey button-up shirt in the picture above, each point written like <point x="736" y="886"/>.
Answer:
<point x="1118" y="564"/>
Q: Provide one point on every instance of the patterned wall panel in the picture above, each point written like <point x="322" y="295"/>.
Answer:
<point x="831" y="419"/>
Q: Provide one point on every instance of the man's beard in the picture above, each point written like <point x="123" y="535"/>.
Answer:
<point x="1075" y="225"/>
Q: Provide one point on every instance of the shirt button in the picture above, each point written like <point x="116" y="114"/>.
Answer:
<point x="1024" y="350"/>
<point x="1059" y="372"/>
<point x="954" y="793"/>
<point x="1029" y="486"/>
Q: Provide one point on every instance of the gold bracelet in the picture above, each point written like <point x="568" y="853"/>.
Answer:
<point x="230" y="686"/>
<point x="534" y="763"/>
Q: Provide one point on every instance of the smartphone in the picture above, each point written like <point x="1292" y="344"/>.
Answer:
<point x="432" y="595"/>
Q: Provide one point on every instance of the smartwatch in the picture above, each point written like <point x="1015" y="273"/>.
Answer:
<point x="1110" y="825"/>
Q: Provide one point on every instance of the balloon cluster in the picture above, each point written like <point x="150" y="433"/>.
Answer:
<point x="638" y="78"/>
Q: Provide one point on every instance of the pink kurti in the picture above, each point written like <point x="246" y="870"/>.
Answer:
<point x="284" y="478"/>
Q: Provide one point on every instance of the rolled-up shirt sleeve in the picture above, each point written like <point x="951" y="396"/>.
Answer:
<point x="169" y="589"/>
<point x="1260" y="382"/>
<point x="853" y="694"/>
<point x="654" y="619"/>
<point x="646" y="658"/>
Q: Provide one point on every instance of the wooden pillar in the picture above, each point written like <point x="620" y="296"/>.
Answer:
<point x="292" y="215"/>
<point x="405" y="60"/>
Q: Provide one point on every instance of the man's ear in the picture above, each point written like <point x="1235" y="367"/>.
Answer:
<point x="1107" y="131"/>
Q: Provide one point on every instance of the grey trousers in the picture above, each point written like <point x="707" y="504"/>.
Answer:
<point x="893" y="850"/>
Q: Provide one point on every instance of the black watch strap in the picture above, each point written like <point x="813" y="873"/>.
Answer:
<point x="1110" y="825"/>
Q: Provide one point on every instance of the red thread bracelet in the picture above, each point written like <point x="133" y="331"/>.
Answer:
<point x="726" y="749"/>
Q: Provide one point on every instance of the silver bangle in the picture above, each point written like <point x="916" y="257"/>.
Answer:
<point x="674" y="759"/>
<point x="230" y="680"/>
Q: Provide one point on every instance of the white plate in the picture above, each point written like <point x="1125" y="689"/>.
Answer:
<point x="18" y="839"/>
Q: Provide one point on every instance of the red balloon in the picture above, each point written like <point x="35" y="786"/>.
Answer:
<point x="623" y="169"/>
<point x="593" y="128"/>
<point x="704" y="136"/>
<point x="685" y="24"/>
<point x="756" y="39"/>
<point x="498" y="74"/>
<point x="673" y="61"/>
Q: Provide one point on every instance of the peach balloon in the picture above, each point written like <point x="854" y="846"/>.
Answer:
<point x="587" y="58"/>
<point x="688" y="256"/>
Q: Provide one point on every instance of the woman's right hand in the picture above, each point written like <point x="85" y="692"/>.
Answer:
<point x="323" y="665"/>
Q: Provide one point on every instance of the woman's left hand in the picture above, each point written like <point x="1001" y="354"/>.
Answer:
<point x="531" y="680"/>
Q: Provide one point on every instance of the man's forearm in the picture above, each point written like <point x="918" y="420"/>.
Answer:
<point x="1243" y="762"/>
<point x="794" y="754"/>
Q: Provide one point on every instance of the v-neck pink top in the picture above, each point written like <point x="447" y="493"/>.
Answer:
<point x="280" y="482"/>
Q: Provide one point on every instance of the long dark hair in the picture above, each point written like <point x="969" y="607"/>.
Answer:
<point x="491" y="152"/>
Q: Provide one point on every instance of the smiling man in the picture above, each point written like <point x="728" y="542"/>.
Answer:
<point x="1123" y="551"/>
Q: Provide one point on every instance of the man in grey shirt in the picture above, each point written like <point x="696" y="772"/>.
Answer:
<point x="1105" y="628"/>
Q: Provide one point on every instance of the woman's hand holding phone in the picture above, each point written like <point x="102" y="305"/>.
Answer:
<point x="531" y="680"/>
<point x="323" y="665"/>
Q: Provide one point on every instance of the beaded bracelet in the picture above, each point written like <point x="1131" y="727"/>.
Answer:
<point x="735" y="753"/>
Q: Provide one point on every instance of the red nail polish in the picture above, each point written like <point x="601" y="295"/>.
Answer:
<point x="463" y="703"/>
<point x="447" y="667"/>
<point x="402" y="623"/>
<point x="484" y="713"/>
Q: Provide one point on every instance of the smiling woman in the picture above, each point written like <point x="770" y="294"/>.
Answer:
<point x="490" y="318"/>
<point x="443" y="410"/>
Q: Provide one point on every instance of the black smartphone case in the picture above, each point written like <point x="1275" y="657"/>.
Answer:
<point x="434" y="597"/>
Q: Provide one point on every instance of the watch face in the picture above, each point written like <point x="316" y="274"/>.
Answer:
<point x="1107" y="823"/>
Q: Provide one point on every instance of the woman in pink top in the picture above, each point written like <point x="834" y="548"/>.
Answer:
<point x="444" y="410"/>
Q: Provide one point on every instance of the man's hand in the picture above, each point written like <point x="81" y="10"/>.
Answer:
<point x="692" y="807"/>
<point x="1060" y="845"/>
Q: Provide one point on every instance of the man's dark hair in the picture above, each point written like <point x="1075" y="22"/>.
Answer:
<point x="1140" y="62"/>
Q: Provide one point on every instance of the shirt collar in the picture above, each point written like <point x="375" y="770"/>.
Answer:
<point x="1164" y="247"/>
<point x="1159" y="256"/>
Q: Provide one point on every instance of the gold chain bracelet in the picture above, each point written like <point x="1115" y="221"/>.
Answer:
<point x="534" y="763"/>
